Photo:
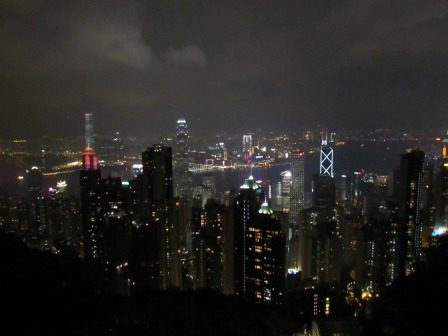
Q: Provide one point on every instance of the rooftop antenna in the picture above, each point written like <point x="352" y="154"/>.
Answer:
<point x="324" y="141"/>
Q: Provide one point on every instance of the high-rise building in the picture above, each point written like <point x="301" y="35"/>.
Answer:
<point x="182" y="176"/>
<point x="320" y="243"/>
<point x="285" y="191"/>
<point x="246" y="204"/>
<point x="157" y="174"/>
<point x="39" y="225"/>
<point x="208" y="245"/>
<point x="89" y="134"/>
<point x="326" y="158"/>
<point x="441" y="201"/>
<point x="410" y="206"/>
<point x="144" y="258"/>
<point x="296" y="204"/>
<point x="92" y="207"/>
<point x="297" y="190"/>
<point x="323" y="191"/>
<point x="116" y="233"/>
<point x="247" y="147"/>
<point x="259" y="247"/>
<point x="157" y="198"/>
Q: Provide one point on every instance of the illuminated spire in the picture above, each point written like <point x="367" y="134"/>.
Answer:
<point x="265" y="208"/>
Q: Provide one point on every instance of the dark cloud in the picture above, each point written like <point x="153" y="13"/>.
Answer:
<point x="228" y="65"/>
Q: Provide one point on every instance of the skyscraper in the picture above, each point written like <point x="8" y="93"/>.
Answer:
<point x="246" y="204"/>
<point x="92" y="207"/>
<point x="247" y="147"/>
<point x="326" y="158"/>
<point x="285" y="191"/>
<point x="91" y="198"/>
<point x="260" y="247"/>
<point x="297" y="191"/>
<point x="157" y="174"/>
<point x="441" y="200"/>
<point x="296" y="204"/>
<point x="182" y="176"/>
<point x="323" y="191"/>
<point x="208" y="245"/>
<point x="412" y="168"/>
<point x="158" y="198"/>
<point x="89" y="135"/>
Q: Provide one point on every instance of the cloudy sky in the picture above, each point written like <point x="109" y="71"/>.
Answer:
<point x="233" y="65"/>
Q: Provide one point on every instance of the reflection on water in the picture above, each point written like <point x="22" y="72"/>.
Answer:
<point x="372" y="157"/>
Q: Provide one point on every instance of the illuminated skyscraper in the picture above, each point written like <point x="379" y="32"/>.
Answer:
<point x="297" y="191"/>
<point x="326" y="158"/>
<point x="182" y="176"/>
<point x="296" y="204"/>
<point x="260" y="247"/>
<point x="247" y="147"/>
<point x="412" y="169"/>
<point x="89" y="135"/>
<point x="39" y="224"/>
<point x="92" y="207"/>
<point x="285" y="191"/>
<point x="208" y="245"/>
<point x="246" y="204"/>
<point x="441" y="200"/>
<point x="320" y="247"/>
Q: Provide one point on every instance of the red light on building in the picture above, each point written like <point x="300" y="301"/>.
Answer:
<point x="89" y="160"/>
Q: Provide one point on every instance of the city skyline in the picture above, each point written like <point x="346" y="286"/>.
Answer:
<point x="138" y="66"/>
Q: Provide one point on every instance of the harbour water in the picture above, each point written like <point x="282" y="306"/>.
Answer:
<point x="370" y="157"/>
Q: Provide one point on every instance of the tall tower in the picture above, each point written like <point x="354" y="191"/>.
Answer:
<point x="182" y="178"/>
<point x="158" y="198"/>
<point x="157" y="174"/>
<point x="441" y="201"/>
<point x="208" y="248"/>
<point x="297" y="191"/>
<point x="326" y="158"/>
<point x="89" y="135"/>
<point x="260" y="247"/>
<point x="92" y="207"/>
<point x="246" y="204"/>
<point x="285" y="191"/>
<point x="247" y="147"/>
<point x="296" y="204"/>
<point x="412" y="169"/>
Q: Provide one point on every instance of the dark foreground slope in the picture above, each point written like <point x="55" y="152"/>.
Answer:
<point x="47" y="294"/>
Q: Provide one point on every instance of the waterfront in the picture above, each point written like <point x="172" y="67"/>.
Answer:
<point x="371" y="157"/>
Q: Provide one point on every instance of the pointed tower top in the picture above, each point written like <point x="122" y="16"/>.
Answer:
<point x="324" y="141"/>
<point x="265" y="208"/>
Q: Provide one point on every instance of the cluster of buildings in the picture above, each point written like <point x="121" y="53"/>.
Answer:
<point x="153" y="233"/>
<point x="157" y="231"/>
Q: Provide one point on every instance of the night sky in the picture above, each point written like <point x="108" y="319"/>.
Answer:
<point x="233" y="65"/>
